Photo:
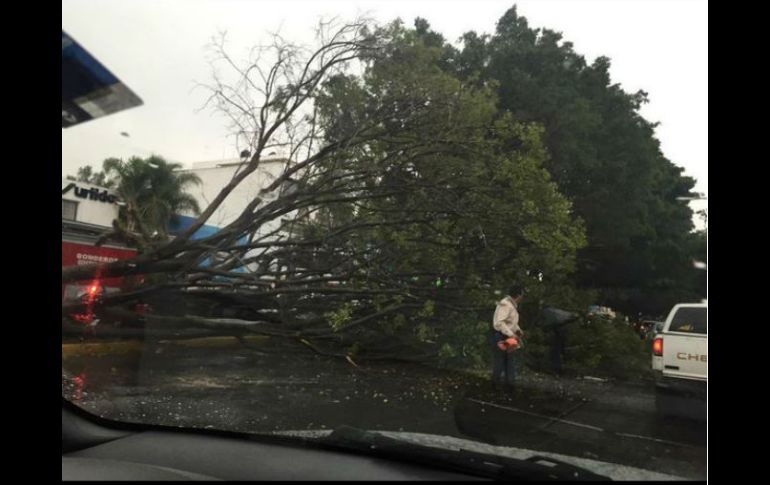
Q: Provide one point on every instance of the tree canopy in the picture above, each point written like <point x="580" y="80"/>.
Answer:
<point x="602" y="154"/>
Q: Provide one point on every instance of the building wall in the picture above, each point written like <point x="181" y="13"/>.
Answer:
<point x="96" y="209"/>
<point x="216" y="175"/>
<point x="96" y="205"/>
<point x="77" y="253"/>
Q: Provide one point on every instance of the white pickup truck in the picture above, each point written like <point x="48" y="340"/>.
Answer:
<point x="680" y="357"/>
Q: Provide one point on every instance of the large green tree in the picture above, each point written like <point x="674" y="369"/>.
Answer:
<point x="453" y="219"/>
<point x="602" y="154"/>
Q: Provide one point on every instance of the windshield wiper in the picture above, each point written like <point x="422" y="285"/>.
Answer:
<point x="464" y="461"/>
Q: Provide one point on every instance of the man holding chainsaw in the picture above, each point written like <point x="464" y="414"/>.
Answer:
<point x="506" y="338"/>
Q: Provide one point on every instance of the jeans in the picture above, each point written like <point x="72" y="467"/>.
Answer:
<point x="503" y="362"/>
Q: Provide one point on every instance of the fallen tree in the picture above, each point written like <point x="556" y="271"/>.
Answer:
<point x="404" y="202"/>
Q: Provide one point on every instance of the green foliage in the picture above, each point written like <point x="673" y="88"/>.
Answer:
<point x="596" y="347"/>
<point x="446" y="353"/>
<point x="535" y="352"/>
<point x="353" y="350"/>
<point x="395" y="324"/>
<point x="465" y="342"/>
<point x="153" y="190"/>
<point x="86" y="174"/>
<point x="424" y="332"/>
<point x="603" y="156"/>
<point x="428" y="309"/>
<point x="606" y="347"/>
<point x="460" y="201"/>
<point x="339" y="317"/>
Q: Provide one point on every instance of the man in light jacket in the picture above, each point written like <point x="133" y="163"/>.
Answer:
<point x="505" y="324"/>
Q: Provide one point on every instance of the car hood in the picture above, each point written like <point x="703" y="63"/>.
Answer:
<point x="611" y="470"/>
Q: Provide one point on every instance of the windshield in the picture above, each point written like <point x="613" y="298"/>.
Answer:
<point x="462" y="222"/>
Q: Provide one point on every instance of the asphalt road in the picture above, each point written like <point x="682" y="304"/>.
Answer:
<point x="270" y="389"/>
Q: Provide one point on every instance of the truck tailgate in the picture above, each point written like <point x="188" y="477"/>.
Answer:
<point x="685" y="356"/>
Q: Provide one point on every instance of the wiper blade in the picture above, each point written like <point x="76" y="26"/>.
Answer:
<point x="470" y="462"/>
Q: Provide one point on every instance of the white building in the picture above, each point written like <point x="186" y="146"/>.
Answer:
<point x="87" y="212"/>
<point x="215" y="175"/>
<point x="88" y="204"/>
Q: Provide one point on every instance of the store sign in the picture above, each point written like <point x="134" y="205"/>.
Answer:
<point x="91" y="194"/>
<point x="77" y="254"/>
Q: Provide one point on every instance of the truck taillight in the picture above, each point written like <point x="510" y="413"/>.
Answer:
<point x="657" y="346"/>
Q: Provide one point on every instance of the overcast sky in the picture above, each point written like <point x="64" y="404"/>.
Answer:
<point x="157" y="48"/>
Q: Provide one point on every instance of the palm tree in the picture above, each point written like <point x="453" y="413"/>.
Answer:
<point x="86" y="174"/>
<point x="154" y="192"/>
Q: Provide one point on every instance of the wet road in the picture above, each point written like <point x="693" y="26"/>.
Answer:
<point x="265" y="390"/>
